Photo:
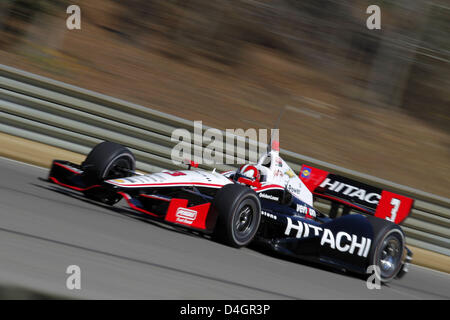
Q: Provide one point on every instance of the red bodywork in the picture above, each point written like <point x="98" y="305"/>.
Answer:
<point x="390" y="206"/>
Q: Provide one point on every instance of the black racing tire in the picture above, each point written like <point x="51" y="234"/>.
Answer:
<point x="238" y="215"/>
<point x="105" y="157"/>
<point x="387" y="248"/>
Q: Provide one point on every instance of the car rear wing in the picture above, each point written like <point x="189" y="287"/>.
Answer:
<point x="355" y="195"/>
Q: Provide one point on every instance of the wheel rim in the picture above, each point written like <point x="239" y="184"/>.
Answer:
<point x="244" y="222"/>
<point x="389" y="256"/>
<point x="115" y="169"/>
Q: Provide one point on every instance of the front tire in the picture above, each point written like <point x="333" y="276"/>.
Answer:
<point x="238" y="215"/>
<point x="106" y="159"/>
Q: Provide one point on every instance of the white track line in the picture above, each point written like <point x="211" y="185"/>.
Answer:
<point x="443" y="274"/>
<point x="23" y="163"/>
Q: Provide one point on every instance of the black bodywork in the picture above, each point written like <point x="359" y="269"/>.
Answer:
<point x="308" y="241"/>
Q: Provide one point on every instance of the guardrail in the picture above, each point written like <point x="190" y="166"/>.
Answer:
<point x="75" y="119"/>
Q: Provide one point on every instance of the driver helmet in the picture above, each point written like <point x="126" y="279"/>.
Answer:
<point x="251" y="172"/>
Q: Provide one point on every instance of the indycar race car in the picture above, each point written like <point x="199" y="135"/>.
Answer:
<point x="265" y="202"/>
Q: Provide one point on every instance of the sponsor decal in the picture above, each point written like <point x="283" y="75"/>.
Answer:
<point x="268" y="196"/>
<point x="302" y="209"/>
<point x="306" y="173"/>
<point x="278" y="162"/>
<point x="175" y="173"/>
<point x="307" y="211"/>
<point x="311" y="213"/>
<point x="277" y="173"/>
<point x="290" y="173"/>
<point x="185" y="215"/>
<point x="293" y="190"/>
<point x="267" y="214"/>
<point x="351" y="191"/>
<point x="342" y="241"/>
<point x="136" y="179"/>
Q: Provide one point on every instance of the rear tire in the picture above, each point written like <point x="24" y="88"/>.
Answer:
<point x="387" y="249"/>
<point x="238" y="215"/>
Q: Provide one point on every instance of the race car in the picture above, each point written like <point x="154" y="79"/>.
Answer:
<point x="264" y="202"/>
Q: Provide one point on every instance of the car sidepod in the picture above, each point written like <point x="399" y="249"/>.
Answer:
<point x="344" y="242"/>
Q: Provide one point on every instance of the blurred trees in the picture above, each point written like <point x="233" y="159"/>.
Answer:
<point x="17" y="15"/>
<point x="427" y="91"/>
<point x="403" y="65"/>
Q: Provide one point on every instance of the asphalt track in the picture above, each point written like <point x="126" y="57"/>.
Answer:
<point x="44" y="229"/>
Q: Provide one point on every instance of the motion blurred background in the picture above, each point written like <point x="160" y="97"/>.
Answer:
<point x="376" y="101"/>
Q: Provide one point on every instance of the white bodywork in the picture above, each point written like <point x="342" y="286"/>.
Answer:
<point x="275" y="174"/>
<point x="275" y="171"/>
<point x="174" y="178"/>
